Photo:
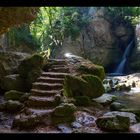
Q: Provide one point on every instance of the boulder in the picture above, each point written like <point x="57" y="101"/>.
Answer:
<point x="92" y="69"/>
<point x="132" y="110"/>
<point x="86" y="85"/>
<point x="85" y="66"/>
<point x="13" y="95"/>
<point x="31" y="63"/>
<point x="116" y="106"/>
<point x="131" y="116"/>
<point x="64" y="110"/>
<point x="82" y="101"/>
<point x="135" y="128"/>
<point x="9" y="61"/>
<point x="105" y="99"/>
<point x="14" y="82"/>
<point x="13" y="106"/>
<point x="113" y="123"/>
<point x="63" y="113"/>
<point x="30" y="69"/>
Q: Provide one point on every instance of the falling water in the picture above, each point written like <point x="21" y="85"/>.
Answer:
<point x="121" y="66"/>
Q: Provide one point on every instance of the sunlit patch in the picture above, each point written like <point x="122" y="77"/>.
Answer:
<point x="67" y="54"/>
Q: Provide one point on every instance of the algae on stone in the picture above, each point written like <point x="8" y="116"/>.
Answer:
<point x="13" y="95"/>
<point x="86" y="85"/>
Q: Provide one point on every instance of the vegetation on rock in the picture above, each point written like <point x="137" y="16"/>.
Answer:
<point x="87" y="85"/>
<point x="13" y="95"/>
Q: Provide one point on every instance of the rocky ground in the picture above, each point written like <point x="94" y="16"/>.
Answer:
<point x="86" y="117"/>
<point x="115" y="110"/>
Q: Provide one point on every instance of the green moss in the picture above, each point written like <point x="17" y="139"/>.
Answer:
<point x="13" y="95"/>
<point x="83" y="101"/>
<point x="73" y="86"/>
<point x="86" y="85"/>
<point x="118" y="123"/>
<point x="64" y="110"/>
<point x="92" y="69"/>
<point x="58" y="120"/>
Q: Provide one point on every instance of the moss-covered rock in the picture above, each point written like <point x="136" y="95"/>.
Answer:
<point x="64" y="113"/>
<point x="30" y="69"/>
<point x="86" y="85"/>
<point x="13" y="106"/>
<point x="92" y="69"/>
<point x="105" y="99"/>
<point x="83" y="101"/>
<point x="116" y="106"/>
<point x="13" y="95"/>
<point x="111" y="123"/>
<point x="32" y="63"/>
<point x="14" y="82"/>
<point x="132" y="110"/>
<point x="64" y="110"/>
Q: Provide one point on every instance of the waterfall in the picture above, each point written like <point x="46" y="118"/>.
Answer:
<point x="120" y="68"/>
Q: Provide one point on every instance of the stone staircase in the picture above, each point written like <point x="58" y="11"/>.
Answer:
<point x="45" y="95"/>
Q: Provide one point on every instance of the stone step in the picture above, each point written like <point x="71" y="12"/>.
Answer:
<point x="39" y="112"/>
<point x="57" y="66"/>
<point x="50" y="80"/>
<point x="38" y="102"/>
<point x="47" y="86"/>
<point x="59" y="69"/>
<point x="37" y="92"/>
<point x="54" y="74"/>
<point x="57" y="61"/>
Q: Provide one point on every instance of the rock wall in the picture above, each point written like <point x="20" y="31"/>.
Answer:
<point x="102" y="41"/>
<point x="11" y="16"/>
<point x="134" y="61"/>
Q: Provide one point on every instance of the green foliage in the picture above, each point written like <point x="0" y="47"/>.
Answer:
<point x="13" y="95"/>
<point x="54" y="24"/>
<point x="130" y="14"/>
<point x="21" y="36"/>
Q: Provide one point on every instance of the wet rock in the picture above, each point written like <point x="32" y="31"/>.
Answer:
<point x="116" y="106"/>
<point x="131" y="116"/>
<point x="13" y="95"/>
<point x="135" y="128"/>
<point x="13" y="106"/>
<point x="83" y="119"/>
<point x="64" y="128"/>
<point x="105" y="99"/>
<point x="134" y="111"/>
<point x="113" y="123"/>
